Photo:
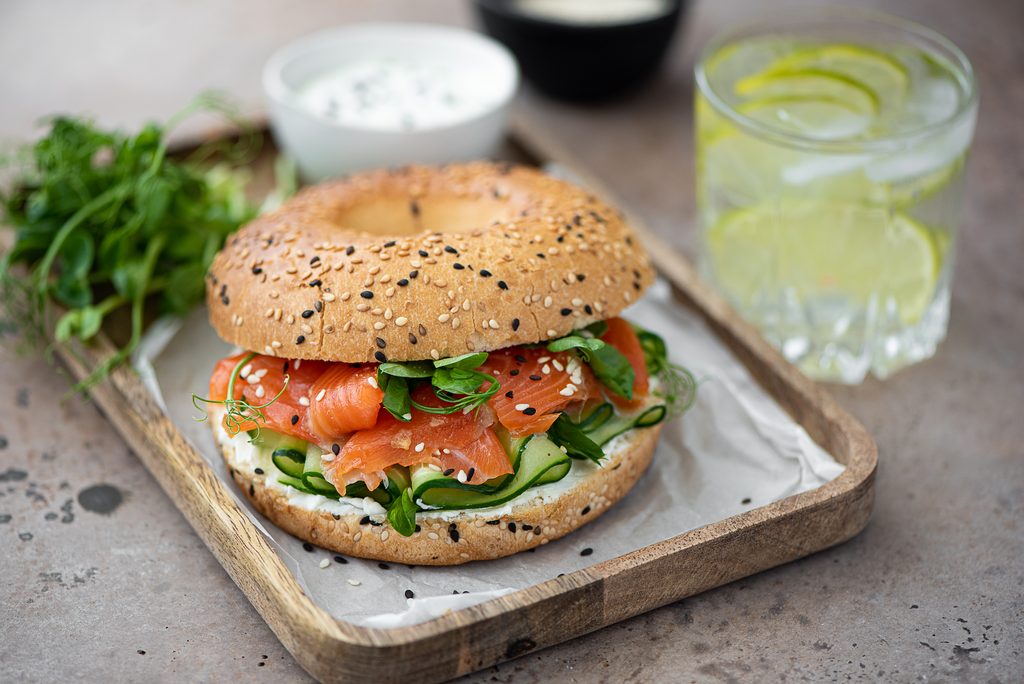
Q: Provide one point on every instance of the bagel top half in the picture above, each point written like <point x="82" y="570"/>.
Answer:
<point x="424" y="262"/>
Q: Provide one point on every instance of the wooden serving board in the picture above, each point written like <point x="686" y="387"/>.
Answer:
<point x="555" y="610"/>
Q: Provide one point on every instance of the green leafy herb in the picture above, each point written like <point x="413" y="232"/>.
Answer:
<point x="239" y="412"/>
<point x="609" y="365"/>
<point x="577" y="444"/>
<point x="402" y="514"/>
<point x="396" y="396"/>
<point x="105" y="220"/>
<point x="465" y="361"/>
<point x="453" y="380"/>
<point x="678" y="386"/>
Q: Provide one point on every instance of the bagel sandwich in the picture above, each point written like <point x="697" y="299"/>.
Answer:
<point x="432" y="366"/>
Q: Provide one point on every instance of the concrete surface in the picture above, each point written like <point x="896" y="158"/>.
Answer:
<point x="102" y="579"/>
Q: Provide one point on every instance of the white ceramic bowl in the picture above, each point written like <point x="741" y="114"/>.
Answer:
<point x="324" y="147"/>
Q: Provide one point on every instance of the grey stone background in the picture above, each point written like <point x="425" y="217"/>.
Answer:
<point x="101" y="579"/>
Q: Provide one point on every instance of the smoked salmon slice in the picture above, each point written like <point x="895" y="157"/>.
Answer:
<point x="261" y="379"/>
<point x="344" y="399"/>
<point x="452" y="442"/>
<point x="620" y="334"/>
<point x="535" y="386"/>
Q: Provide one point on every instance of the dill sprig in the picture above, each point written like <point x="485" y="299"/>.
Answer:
<point x="239" y="412"/>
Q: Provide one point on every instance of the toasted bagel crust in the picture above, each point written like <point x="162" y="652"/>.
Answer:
<point x="466" y="537"/>
<point x="424" y="262"/>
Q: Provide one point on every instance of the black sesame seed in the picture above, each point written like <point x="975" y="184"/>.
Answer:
<point x="314" y="260"/>
<point x="307" y="313"/>
<point x="413" y="274"/>
<point x="409" y="593"/>
<point x="389" y="243"/>
<point x="403" y="282"/>
<point x="412" y="339"/>
<point x="565" y="312"/>
<point x="493" y="522"/>
<point x="256" y="270"/>
<point x="450" y="249"/>
<point x="380" y="342"/>
<point x="252" y="490"/>
<point x="422" y="329"/>
<point x="636" y="286"/>
<point x="580" y="277"/>
<point x="540" y="255"/>
<point x="537" y="531"/>
<point x="745" y="501"/>
<point x="383" y="566"/>
<point x="469" y="474"/>
<point x="285" y="369"/>
<point x="417" y="529"/>
<point x="519" y="357"/>
<point x="514" y="372"/>
<point x="588" y="309"/>
<point x="587" y="551"/>
<point x="448" y="472"/>
<point x="380" y="356"/>
<point x="512" y="527"/>
<point x="225" y="300"/>
<point x="515" y="324"/>
<point x="258" y="471"/>
<point x="560" y="238"/>
<point x="300" y="339"/>
<point x="308" y="547"/>
<point x="586" y="509"/>
<point x="366" y="294"/>
<point x="577" y="219"/>
<point x="350" y="250"/>
<point x="484" y="273"/>
<point x="341" y="559"/>
<point x="423" y="253"/>
<point x="318" y="305"/>
<point x="223" y="289"/>
<point x="502" y="284"/>
<point x="336" y="448"/>
<point x="527" y="527"/>
<point x="453" y="532"/>
<point x="535" y="378"/>
<point x="365" y="520"/>
<point x="414" y="207"/>
<point x="529" y="411"/>
<point x="295" y="420"/>
<point x="315" y="283"/>
<point x="457" y="266"/>
<point x="509" y="394"/>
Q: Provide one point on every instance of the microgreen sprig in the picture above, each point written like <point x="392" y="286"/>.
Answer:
<point x="454" y="381"/>
<point x="239" y="412"/>
<point x="678" y="386"/>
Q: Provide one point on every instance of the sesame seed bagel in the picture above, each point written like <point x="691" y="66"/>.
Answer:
<point x="424" y="262"/>
<point x="451" y="540"/>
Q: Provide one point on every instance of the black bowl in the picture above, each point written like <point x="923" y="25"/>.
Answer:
<point x="580" y="61"/>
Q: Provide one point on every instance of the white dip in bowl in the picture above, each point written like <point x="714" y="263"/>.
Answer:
<point x="372" y="95"/>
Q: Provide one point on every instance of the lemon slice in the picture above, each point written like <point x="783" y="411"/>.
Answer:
<point x="885" y="75"/>
<point x="812" y="116"/>
<point x="803" y="84"/>
<point x="825" y="252"/>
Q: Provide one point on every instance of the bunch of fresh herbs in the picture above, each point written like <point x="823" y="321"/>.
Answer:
<point x="105" y="220"/>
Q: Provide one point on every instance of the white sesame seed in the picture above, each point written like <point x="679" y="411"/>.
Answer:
<point x="379" y="325"/>
<point x="372" y="382"/>
<point x="446" y="450"/>
<point x="298" y="364"/>
<point x="522" y="407"/>
<point x="304" y="401"/>
<point x="434" y="354"/>
<point x="246" y="369"/>
<point x="432" y="535"/>
<point x="275" y="344"/>
<point x="419" y="447"/>
<point x="461" y="476"/>
<point x="443" y="318"/>
<point x="552" y="333"/>
<point x="547" y="302"/>
<point x="494" y="324"/>
<point x="557" y="364"/>
<point x="327" y="457"/>
<point x="544" y="359"/>
<point x="320" y="395"/>
<point x="566" y="391"/>
<point x="407" y="416"/>
<point x="259" y="391"/>
<point x="353" y="582"/>
<point x="546" y="369"/>
<point x="325" y="563"/>
<point x="328" y="297"/>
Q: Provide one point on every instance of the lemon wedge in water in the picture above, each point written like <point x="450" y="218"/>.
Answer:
<point x="823" y="251"/>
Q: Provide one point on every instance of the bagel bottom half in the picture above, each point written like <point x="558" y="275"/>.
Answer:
<point x="454" y="537"/>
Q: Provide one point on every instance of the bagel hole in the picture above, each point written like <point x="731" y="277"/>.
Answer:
<point x="402" y="216"/>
